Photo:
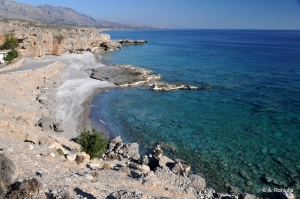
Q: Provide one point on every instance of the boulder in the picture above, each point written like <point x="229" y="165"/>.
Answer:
<point x="197" y="182"/>
<point x="32" y="138"/>
<point x="247" y="196"/>
<point x="164" y="161"/>
<point x="116" y="140"/>
<point x="284" y="195"/>
<point x="177" y="167"/>
<point x="157" y="152"/>
<point x="71" y="157"/>
<point x="46" y="123"/>
<point x="131" y="151"/>
<point x="58" y="126"/>
<point x="46" y="141"/>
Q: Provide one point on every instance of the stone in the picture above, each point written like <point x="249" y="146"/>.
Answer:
<point x="46" y="141"/>
<point x="71" y="157"/>
<point x="58" y="126"/>
<point x="51" y="155"/>
<point x="131" y="150"/>
<point x="185" y="165"/>
<point x="89" y="176"/>
<point x="247" y="196"/>
<point x="144" y="169"/>
<point x="46" y="123"/>
<point x="94" y="165"/>
<point x="30" y="146"/>
<point x="197" y="182"/>
<point x="177" y="167"/>
<point x="164" y="161"/>
<point x="32" y="138"/>
<point x="286" y="194"/>
<point x="116" y="140"/>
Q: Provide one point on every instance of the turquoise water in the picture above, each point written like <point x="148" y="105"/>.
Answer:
<point x="243" y="129"/>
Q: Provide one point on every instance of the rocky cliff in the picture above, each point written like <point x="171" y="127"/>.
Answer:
<point x="39" y="39"/>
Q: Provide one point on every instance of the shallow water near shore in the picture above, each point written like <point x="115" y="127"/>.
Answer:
<point x="242" y="132"/>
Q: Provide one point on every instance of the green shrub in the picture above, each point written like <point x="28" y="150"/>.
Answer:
<point x="60" y="152"/>
<point x="93" y="143"/>
<point x="13" y="53"/>
<point x="10" y="43"/>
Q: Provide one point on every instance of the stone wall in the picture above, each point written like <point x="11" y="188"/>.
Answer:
<point x="43" y="39"/>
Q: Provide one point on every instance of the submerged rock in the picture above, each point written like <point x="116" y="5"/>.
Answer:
<point x="164" y="86"/>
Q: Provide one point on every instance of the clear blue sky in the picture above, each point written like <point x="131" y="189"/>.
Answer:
<point x="240" y="14"/>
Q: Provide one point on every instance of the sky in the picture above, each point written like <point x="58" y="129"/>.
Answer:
<point x="203" y="14"/>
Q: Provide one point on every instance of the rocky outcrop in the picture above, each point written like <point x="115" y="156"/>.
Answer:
<point x="38" y="39"/>
<point x="164" y="86"/>
<point x="123" y="75"/>
<point x="130" y="42"/>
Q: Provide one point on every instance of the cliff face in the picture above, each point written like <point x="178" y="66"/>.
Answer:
<point x="41" y="39"/>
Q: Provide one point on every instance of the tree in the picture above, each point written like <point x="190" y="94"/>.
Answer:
<point x="93" y="143"/>
<point x="11" y="43"/>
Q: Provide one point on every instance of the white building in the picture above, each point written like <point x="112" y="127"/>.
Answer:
<point x="3" y="53"/>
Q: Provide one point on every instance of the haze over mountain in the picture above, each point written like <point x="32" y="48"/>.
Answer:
<point x="56" y="15"/>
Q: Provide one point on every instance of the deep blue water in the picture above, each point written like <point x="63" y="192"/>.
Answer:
<point x="245" y="127"/>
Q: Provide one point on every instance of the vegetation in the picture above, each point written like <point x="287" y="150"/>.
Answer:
<point x="79" y="159"/>
<point x="25" y="189"/>
<point x="59" y="38"/>
<point x="11" y="43"/>
<point x="11" y="55"/>
<point x="106" y="166"/>
<point x="93" y="143"/>
<point x="7" y="170"/>
<point x="60" y="152"/>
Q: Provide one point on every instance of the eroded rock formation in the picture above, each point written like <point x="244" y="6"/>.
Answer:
<point x="41" y="39"/>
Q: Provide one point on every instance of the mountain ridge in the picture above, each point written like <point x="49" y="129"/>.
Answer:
<point x="56" y="15"/>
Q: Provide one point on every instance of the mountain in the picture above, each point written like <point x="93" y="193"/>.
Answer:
<point x="55" y="15"/>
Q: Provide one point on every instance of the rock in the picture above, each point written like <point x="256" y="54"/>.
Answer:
<point x="286" y="194"/>
<point x="71" y="157"/>
<point x="58" y="126"/>
<point x="185" y="165"/>
<point x="197" y="182"/>
<point x="32" y="138"/>
<point x="247" y="196"/>
<point x="51" y="155"/>
<point x="177" y="167"/>
<point x="46" y="123"/>
<point x="144" y="160"/>
<point x="46" y="141"/>
<point x="89" y="176"/>
<point x="30" y="146"/>
<point x="164" y="161"/>
<point x="131" y="151"/>
<point x="157" y="152"/>
<point x="144" y="169"/>
<point x="165" y="86"/>
<point x="116" y="140"/>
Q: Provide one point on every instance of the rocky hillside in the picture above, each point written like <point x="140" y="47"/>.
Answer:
<point x="39" y="39"/>
<point x="54" y="15"/>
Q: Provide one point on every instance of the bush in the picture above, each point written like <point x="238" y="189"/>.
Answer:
<point x="11" y="55"/>
<point x="60" y="152"/>
<point x="26" y="189"/>
<point x="10" y="43"/>
<point x="93" y="143"/>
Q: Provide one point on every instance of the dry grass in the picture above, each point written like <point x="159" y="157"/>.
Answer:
<point x="106" y="166"/>
<point x="79" y="159"/>
<point x="26" y="189"/>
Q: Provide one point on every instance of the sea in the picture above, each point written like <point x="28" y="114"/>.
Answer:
<point x="242" y="133"/>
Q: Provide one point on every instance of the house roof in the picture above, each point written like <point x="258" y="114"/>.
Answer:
<point x="4" y="51"/>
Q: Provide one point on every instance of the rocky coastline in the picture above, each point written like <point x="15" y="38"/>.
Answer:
<point x="36" y="137"/>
